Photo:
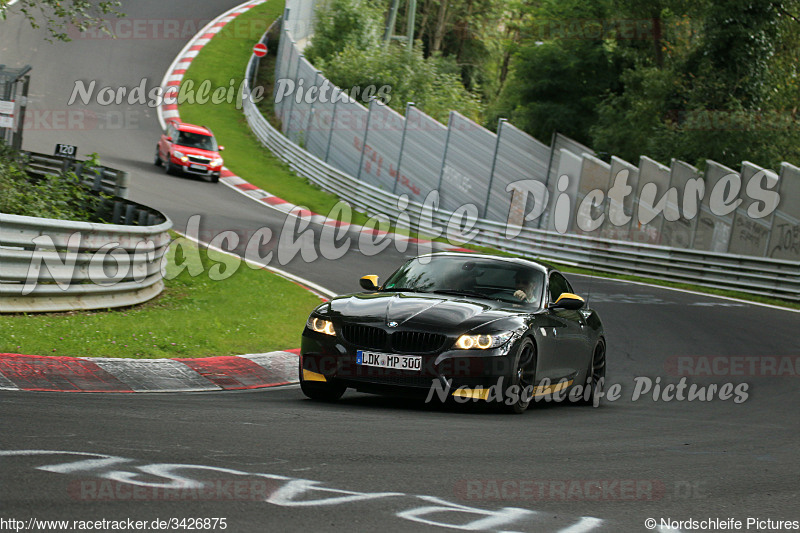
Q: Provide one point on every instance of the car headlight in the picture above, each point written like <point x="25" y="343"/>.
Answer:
<point x="320" y="325"/>
<point x="216" y="162"/>
<point x="483" y="342"/>
<point x="180" y="155"/>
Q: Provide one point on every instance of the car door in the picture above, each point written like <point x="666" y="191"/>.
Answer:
<point x="565" y="331"/>
<point x="165" y="141"/>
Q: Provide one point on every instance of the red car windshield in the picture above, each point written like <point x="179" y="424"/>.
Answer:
<point x="197" y="140"/>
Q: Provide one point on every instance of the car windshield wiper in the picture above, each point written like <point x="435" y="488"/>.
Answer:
<point x="399" y="289"/>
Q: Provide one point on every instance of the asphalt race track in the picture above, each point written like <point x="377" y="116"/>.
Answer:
<point x="271" y="460"/>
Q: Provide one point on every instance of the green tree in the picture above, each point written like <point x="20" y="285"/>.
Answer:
<point x="347" y="47"/>
<point x="58" y="15"/>
<point x="725" y="87"/>
<point x="432" y="83"/>
<point x="342" y="23"/>
<point x="562" y="70"/>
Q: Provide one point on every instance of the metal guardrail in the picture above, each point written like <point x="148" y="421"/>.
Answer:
<point x="752" y="275"/>
<point x="49" y="265"/>
<point x="107" y="180"/>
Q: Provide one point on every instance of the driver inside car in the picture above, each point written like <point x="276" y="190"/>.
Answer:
<point x="525" y="287"/>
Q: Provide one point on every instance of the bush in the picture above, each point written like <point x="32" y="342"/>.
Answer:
<point x="340" y="23"/>
<point x="61" y="197"/>
<point x="434" y="88"/>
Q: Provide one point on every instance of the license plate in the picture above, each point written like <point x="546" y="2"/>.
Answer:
<point x="197" y="167"/>
<point x="388" y="360"/>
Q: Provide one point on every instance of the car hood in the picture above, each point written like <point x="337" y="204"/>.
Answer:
<point x="430" y="312"/>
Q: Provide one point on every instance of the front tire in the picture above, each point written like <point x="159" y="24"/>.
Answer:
<point x="169" y="168"/>
<point x="322" y="392"/>
<point x="157" y="161"/>
<point x="597" y="371"/>
<point x="523" y="377"/>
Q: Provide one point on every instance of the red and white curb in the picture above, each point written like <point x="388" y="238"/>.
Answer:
<point x="88" y="374"/>
<point x="184" y="59"/>
<point x="167" y="112"/>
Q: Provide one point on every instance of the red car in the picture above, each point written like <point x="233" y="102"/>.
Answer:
<point x="190" y="149"/>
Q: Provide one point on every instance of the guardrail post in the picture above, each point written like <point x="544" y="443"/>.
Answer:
<point x="291" y="102"/>
<point x="311" y="111"/>
<point x="333" y="127"/>
<point x="494" y="164"/>
<point x="444" y="154"/>
<point x="130" y="212"/>
<point x="121" y="186"/>
<point x="547" y="176"/>
<point x="364" y="142"/>
<point x="98" y="180"/>
<point x="409" y="105"/>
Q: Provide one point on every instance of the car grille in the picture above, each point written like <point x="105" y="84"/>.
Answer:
<point x="399" y="341"/>
<point x="199" y="159"/>
<point x="400" y="381"/>
<point x="416" y="342"/>
<point x="364" y="336"/>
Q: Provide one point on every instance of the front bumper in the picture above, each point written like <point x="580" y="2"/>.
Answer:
<point x="196" y="169"/>
<point x="328" y="358"/>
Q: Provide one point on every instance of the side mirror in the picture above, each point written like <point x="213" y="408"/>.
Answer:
<point x="369" y="283"/>
<point x="220" y="148"/>
<point x="567" y="300"/>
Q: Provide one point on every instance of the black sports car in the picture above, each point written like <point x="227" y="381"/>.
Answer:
<point x="461" y="326"/>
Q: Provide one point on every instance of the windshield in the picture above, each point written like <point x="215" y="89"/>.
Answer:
<point x="197" y="140"/>
<point x="477" y="277"/>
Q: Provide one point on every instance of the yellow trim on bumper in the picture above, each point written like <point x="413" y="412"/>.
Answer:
<point x="481" y="393"/>
<point x="308" y="375"/>
<point x="478" y="393"/>
<point x="550" y="389"/>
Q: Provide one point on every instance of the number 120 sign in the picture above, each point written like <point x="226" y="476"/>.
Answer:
<point x="66" y="150"/>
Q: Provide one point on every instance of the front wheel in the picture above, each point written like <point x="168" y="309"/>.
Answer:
<point x="596" y="373"/>
<point x="322" y="392"/>
<point x="518" y="395"/>
<point x="157" y="159"/>
<point x="169" y="168"/>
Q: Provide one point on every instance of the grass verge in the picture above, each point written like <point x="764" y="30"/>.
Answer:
<point x="224" y="59"/>
<point x="249" y="311"/>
